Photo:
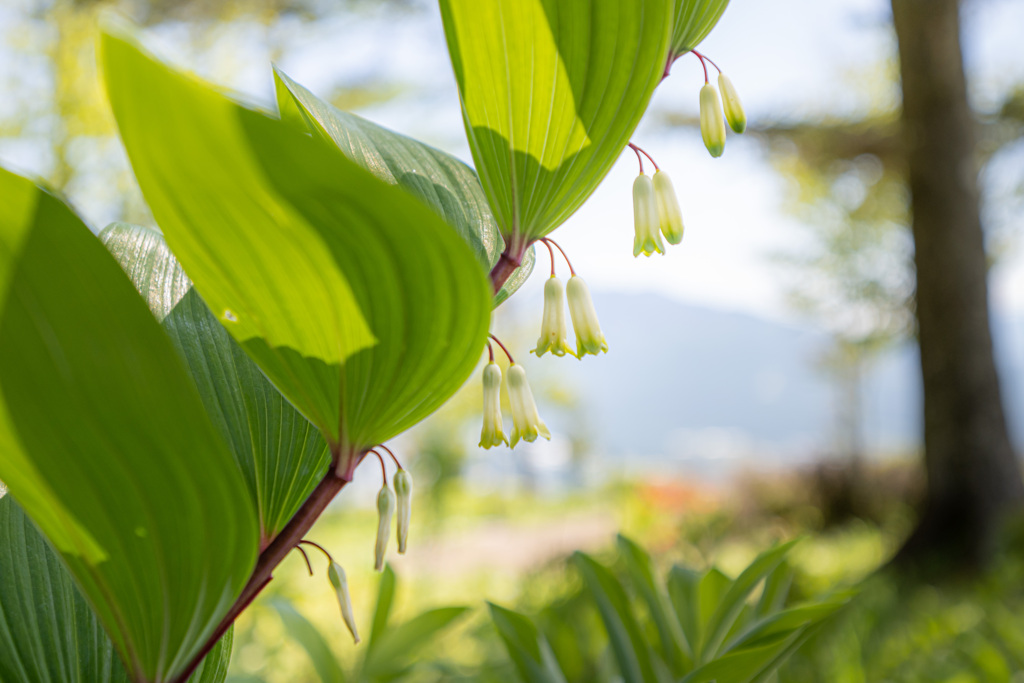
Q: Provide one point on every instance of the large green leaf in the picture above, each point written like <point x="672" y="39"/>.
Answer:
<point x="362" y="306"/>
<point x="551" y="92"/>
<point x="694" y="20"/>
<point x="527" y="647"/>
<point x="438" y="179"/>
<point x="105" y="443"/>
<point x="281" y="455"/>
<point x="48" y="633"/>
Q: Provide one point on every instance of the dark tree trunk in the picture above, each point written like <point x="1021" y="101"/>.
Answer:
<point x="973" y="476"/>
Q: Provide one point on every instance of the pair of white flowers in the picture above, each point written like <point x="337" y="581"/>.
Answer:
<point x="655" y="213"/>
<point x="553" y="329"/>
<point x="712" y="127"/>
<point x="526" y="422"/>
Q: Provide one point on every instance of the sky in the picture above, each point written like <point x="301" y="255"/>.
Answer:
<point x="789" y="59"/>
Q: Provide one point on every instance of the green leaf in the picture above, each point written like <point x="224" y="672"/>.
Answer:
<point x="694" y="20"/>
<point x="438" y="179"/>
<point x="749" y="664"/>
<point x="312" y="641"/>
<point x="713" y="587"/>
<point x="527" y="647"/>
<point x="733" y="601"/>
<point x="641" y="571"/>
<point x="397" y="646"/>
<point x="631" y="650"/>
<point x="385" y="598"/>
<point x="776" y="590"/>
<point x="356" y="300"/>
<point x="792" y="619"/>
<point x="105" y="443"/>
<point x="551" y="93"/>
<point x="684" y="592"/>
<point x="48" y="633"/>
<point x="281" y="455"/>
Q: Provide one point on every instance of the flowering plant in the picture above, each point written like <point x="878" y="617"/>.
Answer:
<point x="317" y="286"/>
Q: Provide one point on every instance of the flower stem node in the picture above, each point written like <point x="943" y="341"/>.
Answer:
<point x="669" y="215"/>
<point x="589" y="338"/>
<point x="734" y="113"/>
<point x="553" y="330"/>
<point x="492" y="433"/>
<point x="403" y="490"/>
<point x="645" y="219"/>
<point x="526" y="422"/>
<point x="340" y="582"/>
<point x="385" y="509"/>
<point x="712" y="124"/>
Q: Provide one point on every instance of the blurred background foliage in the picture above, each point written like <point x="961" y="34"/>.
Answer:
<point x="507" y="538"/>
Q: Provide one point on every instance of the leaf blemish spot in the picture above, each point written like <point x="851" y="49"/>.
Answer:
<point x="230" y="316"/>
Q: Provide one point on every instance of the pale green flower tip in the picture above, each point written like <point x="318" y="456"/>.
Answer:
<point x="385" y="509"/>
<point x="492" y="433"/>
<point x="403" y="491"/>
<point x="336" y="574"/>
<point x="645" y="218"/>
<point x="669" y="215"/>
<point x="589" y="337"/>
<point x="525" y="419"/>
<point x="553" y="330"/>
<point x="712" y="123"/>
<point x="734" y="113"/>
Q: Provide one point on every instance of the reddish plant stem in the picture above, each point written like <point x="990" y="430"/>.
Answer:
<point x="306" y="558"/>
<point x="268" y="560"/>
<point x="502" y="270"/>
<point x="703" y="64"/>
<point x="639" y="150"/>
<point x="507" y="354"/>
<point x="702" y="57"/>
<point x="636" y="151"/>
<point x="552" y="253"/>
<point x="392" y="454"/>
<point x="383" y="472"/>
<point x="548" y="241"/>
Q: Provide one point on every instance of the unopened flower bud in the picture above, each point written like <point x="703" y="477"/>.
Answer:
<point x="403" y="490"/>
<point x="492" y="433"/>
<point x="712" y="125"/>
<point x="385" y="509"/>
<point x="645" y="218"/>
<point x="670" y="217"/>
<point x="734" y="113"/>
<point x="553" y="330"/>
<point x="340" y="582"/>
<point x="526" y="422"/>
<point x="589" y="338"/>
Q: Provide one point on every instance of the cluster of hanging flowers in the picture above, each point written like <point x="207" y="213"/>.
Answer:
<point x="554" y="332"/>
<point x="390" y="504"/>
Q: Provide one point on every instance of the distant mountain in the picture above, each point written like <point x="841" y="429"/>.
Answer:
<point x="690" y="382"/>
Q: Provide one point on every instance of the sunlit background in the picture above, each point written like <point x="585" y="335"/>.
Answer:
<point x="747" y="368"/>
